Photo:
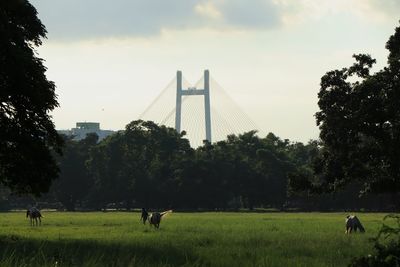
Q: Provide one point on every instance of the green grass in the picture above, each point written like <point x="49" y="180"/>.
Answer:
<point x="184" y="239"/>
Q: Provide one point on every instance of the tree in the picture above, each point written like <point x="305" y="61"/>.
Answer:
<point x="27" y="134"/>
<point x="74" y="183"/>
<point x="359" y="119"/>
<point x="153" y="152"/>
<point x="108" y="167"/>
<point x="138" y="164"/>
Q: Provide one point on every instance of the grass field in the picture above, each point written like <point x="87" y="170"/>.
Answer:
<point x="184" y="239"/>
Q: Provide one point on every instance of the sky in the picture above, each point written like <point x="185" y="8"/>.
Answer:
<point x="110" y="59"/>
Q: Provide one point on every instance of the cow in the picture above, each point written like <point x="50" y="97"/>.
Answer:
<point x="353" y="224"/>
<point x="34" y="214"/>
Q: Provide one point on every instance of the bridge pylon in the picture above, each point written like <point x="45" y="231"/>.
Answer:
<point x="180" y="91"/>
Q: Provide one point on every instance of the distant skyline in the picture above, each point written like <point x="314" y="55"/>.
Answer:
<point x="109" y="59"/>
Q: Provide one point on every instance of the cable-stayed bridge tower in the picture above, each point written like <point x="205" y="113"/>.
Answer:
<point x="205" y="111"/>
<point x="190" y="92"/>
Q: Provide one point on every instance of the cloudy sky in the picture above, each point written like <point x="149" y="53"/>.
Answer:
<point x="110" y="59"/>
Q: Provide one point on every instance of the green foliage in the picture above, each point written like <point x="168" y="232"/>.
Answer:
<point x="26" y="97"/>
<point x="137" y="164"/>
<point x="74" y="182"/>
<point x="184" y="239"/>
<point x="359" y="119"/>
<point x="387" y="247"/>
<point x="152" y="166"/>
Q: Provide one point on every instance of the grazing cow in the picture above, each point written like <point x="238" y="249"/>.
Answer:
<point x="155" y="218"/>
<point x="144" y="216"/>
<point x="353" y="223"/>
<point x="34" y="214"/>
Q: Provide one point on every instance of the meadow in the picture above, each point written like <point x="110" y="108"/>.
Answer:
<point x="184" y="239"/>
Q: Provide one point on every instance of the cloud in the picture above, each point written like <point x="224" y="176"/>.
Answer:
<point x="92" y="19"/>
<point x="208" y="9"/>
<point x="250" y="14"/>
<point x="77" y="19"/>
<point x="88" y="19"/>
<point x="388" y="7"/>
<point x="300" y="11"/>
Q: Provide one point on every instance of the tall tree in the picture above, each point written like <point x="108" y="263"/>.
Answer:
<point x="359" y="119"/>
<point x="108" y="168"/>
<point x="74" y="182"/>
<point x="27" y="134"/>
<point x="138" y="164"/>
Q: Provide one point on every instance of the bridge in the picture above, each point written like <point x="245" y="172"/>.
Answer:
<point x="204" y="110"/>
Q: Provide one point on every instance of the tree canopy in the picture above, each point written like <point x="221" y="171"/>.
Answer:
<point x="359" y="119"/>
<point x="74" y="182"/>
<point x="27" y="134"/>
<point x="148" y="165"/>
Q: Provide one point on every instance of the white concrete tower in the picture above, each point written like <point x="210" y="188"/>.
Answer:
<point x="193" y="91"/>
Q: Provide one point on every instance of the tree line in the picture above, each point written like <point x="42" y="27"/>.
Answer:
<point x="153" y="166"/>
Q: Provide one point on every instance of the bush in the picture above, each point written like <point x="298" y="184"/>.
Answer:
<point x="387" y="247"/>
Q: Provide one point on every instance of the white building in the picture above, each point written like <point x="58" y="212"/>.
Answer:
<point x="84" y="128"/>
